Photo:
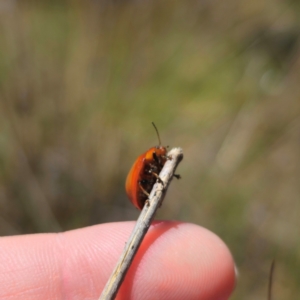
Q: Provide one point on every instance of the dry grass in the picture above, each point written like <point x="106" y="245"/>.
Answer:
<point x="80" y="85"/>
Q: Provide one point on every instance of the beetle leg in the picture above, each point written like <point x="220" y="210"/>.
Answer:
<point x="143" y="190"/>
<point x="155" y="157"/>
<point x="168" y="157"/>
<point x="177" y="176"/>
<point x="158" y="159"/>
<point x="158" y="178"/>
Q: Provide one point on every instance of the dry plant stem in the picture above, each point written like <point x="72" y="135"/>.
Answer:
<point x="143" y="223"/>
<point x="271" y="280"/>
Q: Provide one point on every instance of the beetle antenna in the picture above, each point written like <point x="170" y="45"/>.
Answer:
<point x="157" y="133"/>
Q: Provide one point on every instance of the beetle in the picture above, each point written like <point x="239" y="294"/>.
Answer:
<point x="144" y="173"/>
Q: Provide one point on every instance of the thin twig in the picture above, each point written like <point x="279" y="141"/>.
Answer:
<point x="143" y="223"/>
<point x="271" y="280"/>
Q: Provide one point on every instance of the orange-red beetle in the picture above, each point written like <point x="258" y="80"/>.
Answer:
<point x="144" y="173"/>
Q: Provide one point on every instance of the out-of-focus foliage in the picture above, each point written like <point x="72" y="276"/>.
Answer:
<point x="81" y="81"/>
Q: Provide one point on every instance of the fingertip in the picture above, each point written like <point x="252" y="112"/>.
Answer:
<point x="175" y="261"/>
<point x="180" y="261"/>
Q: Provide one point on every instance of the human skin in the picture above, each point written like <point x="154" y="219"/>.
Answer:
<point x="175" y="261"/>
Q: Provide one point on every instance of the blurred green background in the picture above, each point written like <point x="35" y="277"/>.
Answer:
<point x="80" y="83"/>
